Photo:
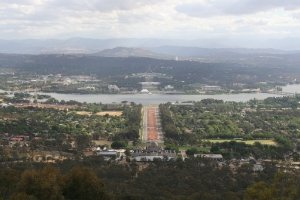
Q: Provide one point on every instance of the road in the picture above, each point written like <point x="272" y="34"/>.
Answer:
<point x="151" y="125"/>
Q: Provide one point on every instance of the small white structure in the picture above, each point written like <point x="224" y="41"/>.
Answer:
<point x="211" y="88"/>
<point x="68" y="81"/>
<point x="258" y="168"/>
<point x="147" y="158"/>
<point x="150" y="83"/>
<point x="113" y="88"/>
<point x="87" y="88"/>
<point x="217" y="157"/>
<point x="169" y="87"/>
<point x="145" y="91"/>
<point x="5" y="105"/>
<point x="112" y="153"/>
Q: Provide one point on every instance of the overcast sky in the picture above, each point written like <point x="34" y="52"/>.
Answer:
<point x="176" y="19"/>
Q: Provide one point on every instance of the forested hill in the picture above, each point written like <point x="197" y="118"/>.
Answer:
<point x="187" y="71"/>
<point x="110" y="66"/>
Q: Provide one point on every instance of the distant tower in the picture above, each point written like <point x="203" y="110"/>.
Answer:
<point x="176" y="58"/>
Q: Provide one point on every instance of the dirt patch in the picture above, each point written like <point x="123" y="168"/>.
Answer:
<point x="102" y="142"/>
<point x="83" y="113"/>
<point x="110" y="113"/>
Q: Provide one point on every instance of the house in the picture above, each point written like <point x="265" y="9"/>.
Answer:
<point x="5" y="105"/>
<point x="110" y="153"/>
<point x="152" y="152"/>
<point x="50" y="156"/>
<point x="87" y="88"/>
<point x="113" y="88"/>
<point x="117" y="154"/>
<point x="211" y="88"/>
<point x="145" y="91"/>
<point x="216" y="157"/>
<point x="19" y="139"/>
<point x="148" y="158"/>
<point x="257" y="167"/>
<point x="169" y="87"/>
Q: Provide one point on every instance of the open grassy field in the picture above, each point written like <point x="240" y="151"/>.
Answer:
<point x="110" y="113"/>
<point x="251" y="142"/>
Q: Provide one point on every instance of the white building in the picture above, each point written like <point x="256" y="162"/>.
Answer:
<point x="169" y="87"/>
<point x="113" y="88"/>
<point x="211" y="88"/>
<point x="145" y="91"/>
<point x="217" y="157"/>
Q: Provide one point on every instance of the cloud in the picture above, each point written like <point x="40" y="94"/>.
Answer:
<point x="188" y="19"/>
<point x="21" y="2"/>
<point x="210" y="8"/>
<point x="102" y="5"/>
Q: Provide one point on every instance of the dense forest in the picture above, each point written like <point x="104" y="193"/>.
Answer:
<point x="192" y="179"/>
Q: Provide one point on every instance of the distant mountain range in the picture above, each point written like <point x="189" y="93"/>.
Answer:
<point x="131" y="52"/>
<point x="187" y="48"/>
<point x="199" y="52"/>
<point x="194" y="53"/>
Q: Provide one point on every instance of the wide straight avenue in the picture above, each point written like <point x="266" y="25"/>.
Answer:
<point x="151" y="124"/>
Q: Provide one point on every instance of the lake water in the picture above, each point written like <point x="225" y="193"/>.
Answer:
<point x="295" y="88"/>
<point x="146" y="99"/>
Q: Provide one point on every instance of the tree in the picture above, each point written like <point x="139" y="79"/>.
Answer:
<point x="283" y="186"/>
<point x="8" y="181"/>
<point x="119" y="145"/>
<point x="40" y="184"/>
<point x="22" y="196"/>
<point x="259" y="191"/>
<point x="83" y="141"/>
<point x="191" y="152"/>
<point x="83" y="184"/>
<point x="286" y="186"/>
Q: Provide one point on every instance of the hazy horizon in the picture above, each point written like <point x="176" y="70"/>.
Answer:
<point x="96" y="44"/>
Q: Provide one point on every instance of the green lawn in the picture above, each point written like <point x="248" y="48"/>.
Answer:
<point x="251" y="142"/>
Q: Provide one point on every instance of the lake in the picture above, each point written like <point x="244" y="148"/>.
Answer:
<point x="147" y="99"/>
<point x="295" y="88"/>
